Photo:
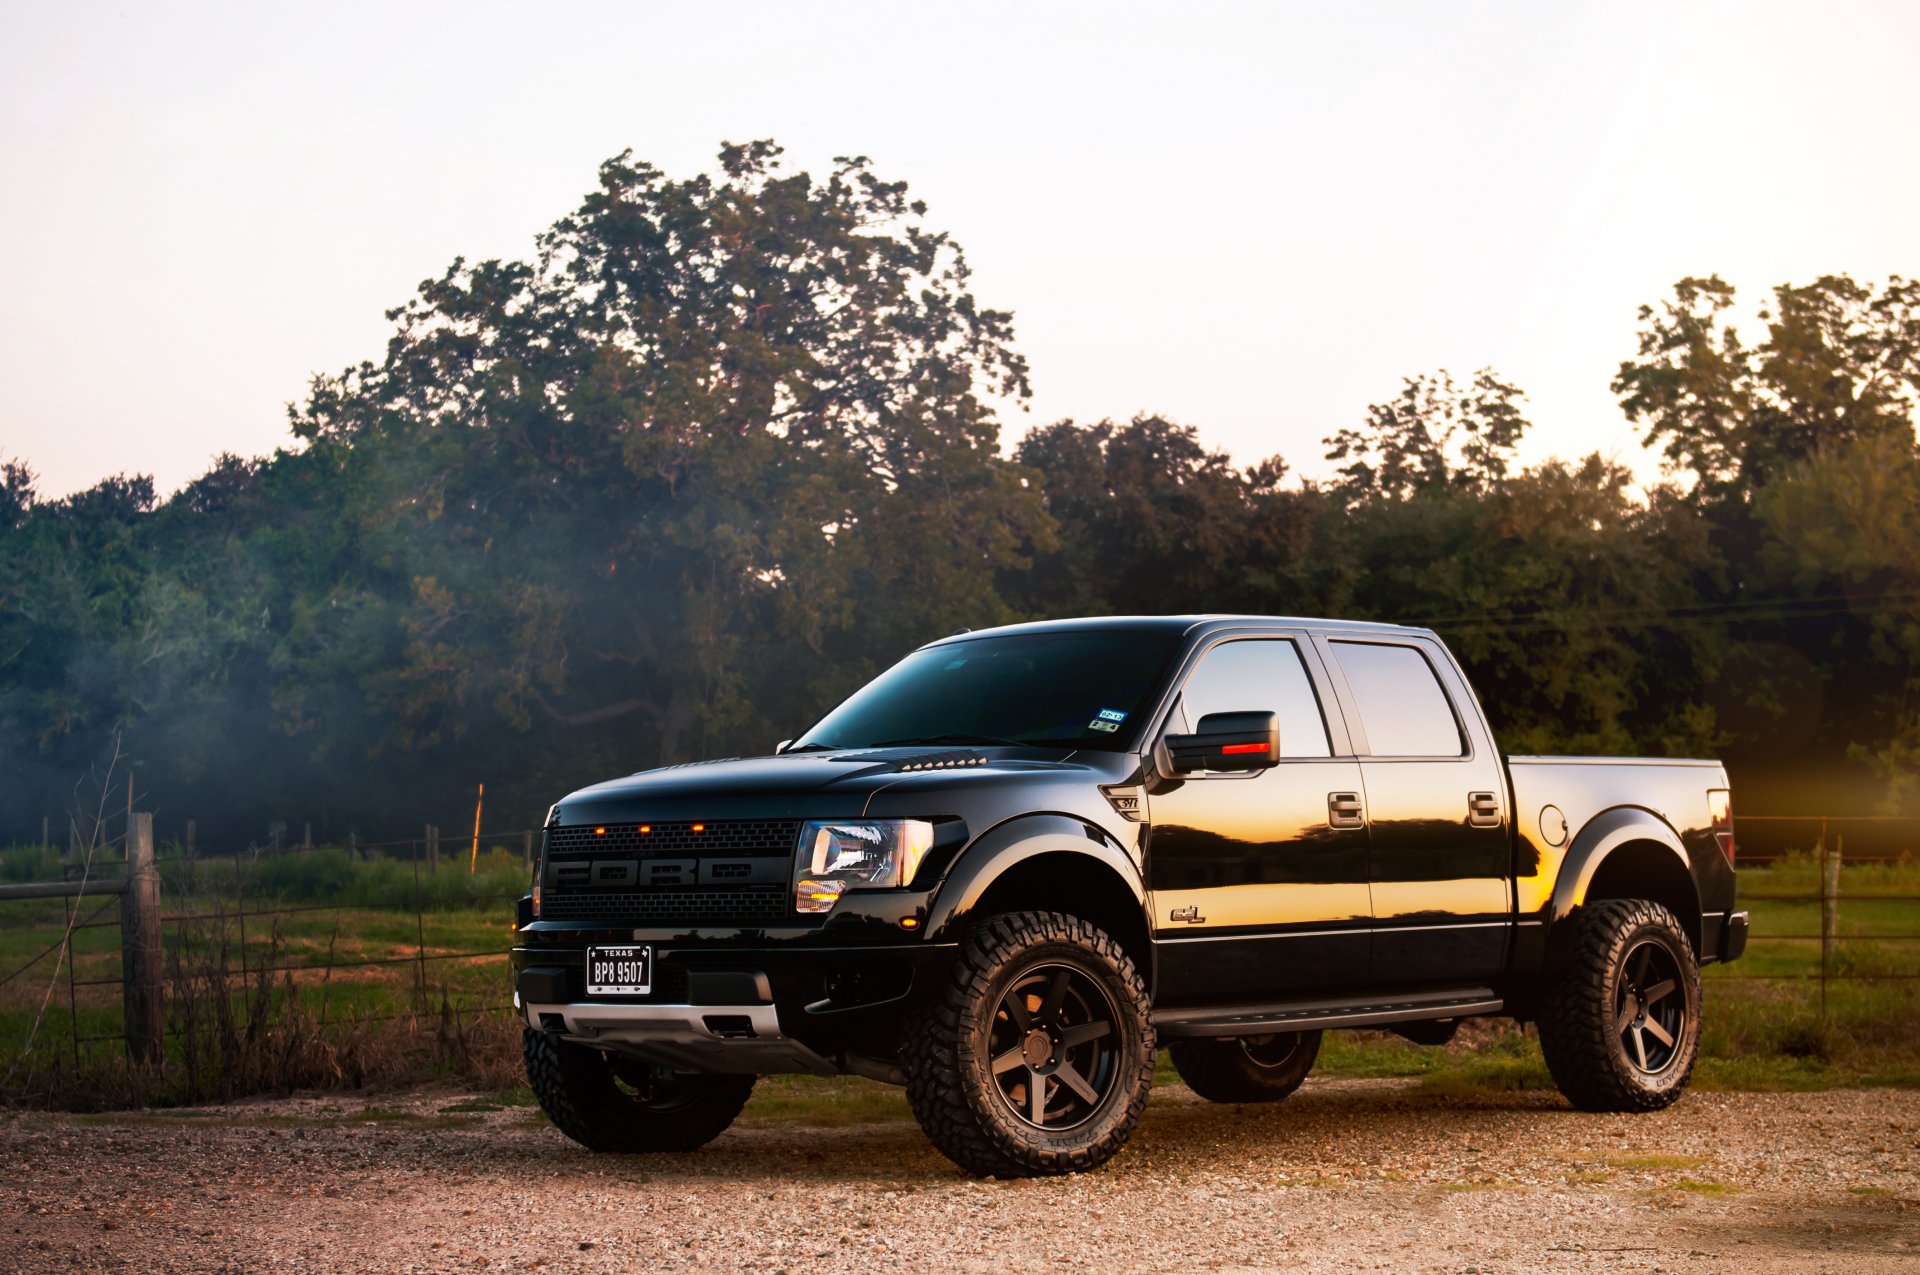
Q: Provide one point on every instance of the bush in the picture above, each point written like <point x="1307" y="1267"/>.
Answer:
<point x="29" y="863"/>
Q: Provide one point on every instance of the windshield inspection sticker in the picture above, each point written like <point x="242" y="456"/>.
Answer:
<point x="1097" y="724"/>
<point x="1113" y="715"/>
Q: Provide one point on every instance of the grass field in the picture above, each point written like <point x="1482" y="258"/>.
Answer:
<point x="315" y="968"/>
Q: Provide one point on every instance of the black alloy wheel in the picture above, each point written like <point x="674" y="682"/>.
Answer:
<point x="652" y="1087"/>
<point x="1619" y="1015"/>
<point x="1036" y="1056"/>
<point x="1274" y="1051"/>
<point x="1051" y="1046"/>
<point x="1247" y="1069"/>
<point x="609" y="1101"/>
<point x="1650" y="1013"/>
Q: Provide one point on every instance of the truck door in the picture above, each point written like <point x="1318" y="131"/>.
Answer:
<point x="1439" y="858"/>
<point x="1259" y="881"/>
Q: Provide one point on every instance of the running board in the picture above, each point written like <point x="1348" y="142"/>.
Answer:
<point x="1253" y="1020"/>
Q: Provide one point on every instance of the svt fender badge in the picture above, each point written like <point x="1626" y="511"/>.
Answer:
<point x="1189" y="914"/>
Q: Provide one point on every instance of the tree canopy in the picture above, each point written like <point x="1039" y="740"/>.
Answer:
<point x="723" y="447"/>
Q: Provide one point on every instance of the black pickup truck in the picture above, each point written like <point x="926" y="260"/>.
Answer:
<point x="1013" y="864"/>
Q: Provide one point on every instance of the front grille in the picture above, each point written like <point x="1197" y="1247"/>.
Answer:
<point x="742" y="905"/>
<point x="730" y="837"/>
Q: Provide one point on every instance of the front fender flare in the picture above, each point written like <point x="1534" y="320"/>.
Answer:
<point x="1014" y="842"/>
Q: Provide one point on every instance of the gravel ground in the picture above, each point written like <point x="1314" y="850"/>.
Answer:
<point x="1346" y="1175"/>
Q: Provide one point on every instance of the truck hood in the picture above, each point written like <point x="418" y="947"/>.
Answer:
<point x="831" y="785"/>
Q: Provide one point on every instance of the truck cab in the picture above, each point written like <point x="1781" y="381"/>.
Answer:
<point x="1011" y="866"/>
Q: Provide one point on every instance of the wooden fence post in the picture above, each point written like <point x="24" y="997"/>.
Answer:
<point x="526" y="850"/>
<point x="433" y="848"/>
<point x="46" y="831"/>
<point x="306" y="835"/>
<point x="353" y="845"/>
<point x="1829" y="915"/>
<point x="143" y="1014"/>
<point x="193" y="827"/>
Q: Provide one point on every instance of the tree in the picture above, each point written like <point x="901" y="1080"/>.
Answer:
<point x="712" y="419"/>
<point x="1844" y="534"/>
<point x="1433" y="436"/>
<point x="1841" y="362"/>
<point x="1149" y="521"/>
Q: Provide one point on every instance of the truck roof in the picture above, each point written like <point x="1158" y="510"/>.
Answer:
<point x="1180" y="624"/>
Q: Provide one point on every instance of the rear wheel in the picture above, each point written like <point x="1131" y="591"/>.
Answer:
<point x="1038" y="1056"/>
<point x="1250" y="1069"/>
<point x="610" y="1102"/>
<point x="1620" y="1023"/>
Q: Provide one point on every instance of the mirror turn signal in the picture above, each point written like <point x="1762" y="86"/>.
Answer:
<point x="1229" y="742"/>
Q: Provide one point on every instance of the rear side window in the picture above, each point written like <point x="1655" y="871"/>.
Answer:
<point x="1402" y="708"/>
<point x="1262" y="676"/>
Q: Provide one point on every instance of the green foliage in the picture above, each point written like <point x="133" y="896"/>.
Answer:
<point x="722" y="448"/>
<point x="335" y="875"/>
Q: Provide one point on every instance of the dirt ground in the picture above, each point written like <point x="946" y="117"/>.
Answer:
<point x="1347" y="1175"/>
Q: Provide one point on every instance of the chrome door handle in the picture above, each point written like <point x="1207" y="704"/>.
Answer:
<point x="1483" y="810"/>
<point x="1345" y="811"/>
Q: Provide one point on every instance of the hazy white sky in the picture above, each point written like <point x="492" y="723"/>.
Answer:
<point x="1254" y="218"/>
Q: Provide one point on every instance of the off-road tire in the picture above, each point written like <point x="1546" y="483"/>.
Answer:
<point x="608" y="1103"/>
<point x="1587" y="1012"/>
<point x="1251" y="1069"/>
<point x="966" y="1108"/>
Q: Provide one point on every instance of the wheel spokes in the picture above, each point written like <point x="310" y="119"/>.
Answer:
<point x="1056" y="996"/>
<point x="1659" y="1033"/>
<point x="1629" y="1010"/>
<point x="1639" y="1039"/>
<point x="1658" y="992"/>
<point x="1083" y="1033"/>
<point x="1051" y="1046"/>
<point x="1642" y="965"/>
<point x="1076" y="1082"/>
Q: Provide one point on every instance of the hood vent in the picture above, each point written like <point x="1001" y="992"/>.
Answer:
<point x="923" y="761"/>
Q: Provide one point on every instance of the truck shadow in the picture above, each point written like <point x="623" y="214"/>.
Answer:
<point x="1347" y="1123"/>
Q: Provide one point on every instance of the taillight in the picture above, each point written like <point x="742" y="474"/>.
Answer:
<point x="1720" y="810"/>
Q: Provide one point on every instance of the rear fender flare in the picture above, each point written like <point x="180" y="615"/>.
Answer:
<point x="1602" y="835"/>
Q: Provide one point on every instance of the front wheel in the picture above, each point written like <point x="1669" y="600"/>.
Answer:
<point x="1620" y="1022"/>
<point x="610" y="1102"/>
<point x="1250" y="1069"/>
<point x="1037" y="1057"/>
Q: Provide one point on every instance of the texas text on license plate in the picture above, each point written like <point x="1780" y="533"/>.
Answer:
<point x="619" y="971"/>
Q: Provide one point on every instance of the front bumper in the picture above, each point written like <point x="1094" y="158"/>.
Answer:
<point x="744" y="1009"/>
<point x="742" y="1039"/>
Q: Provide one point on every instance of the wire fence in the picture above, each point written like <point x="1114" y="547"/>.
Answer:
<point x="251" y="919"/>
<point x="262" y="926"/>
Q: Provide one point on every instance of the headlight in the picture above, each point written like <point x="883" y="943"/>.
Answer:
<point x="861" y="854"/>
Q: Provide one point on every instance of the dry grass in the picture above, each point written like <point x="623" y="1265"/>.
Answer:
<point x="236" y="1030"/>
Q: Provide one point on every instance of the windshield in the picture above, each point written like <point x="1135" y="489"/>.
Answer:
<point x="1054" y="690"/>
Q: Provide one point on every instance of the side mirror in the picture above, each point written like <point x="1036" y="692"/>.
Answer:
<point x="1227" y="741"/>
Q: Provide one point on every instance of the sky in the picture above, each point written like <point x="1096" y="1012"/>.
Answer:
<point x="1251" y="218"/>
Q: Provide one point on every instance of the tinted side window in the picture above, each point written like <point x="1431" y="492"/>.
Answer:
<point x="1259" y="676"/>
<point x="1402" y="708"/>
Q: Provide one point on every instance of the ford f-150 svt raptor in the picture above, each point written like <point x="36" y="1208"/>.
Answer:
<point x="1015" y="862"/>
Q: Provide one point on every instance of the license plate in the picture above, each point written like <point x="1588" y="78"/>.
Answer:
<point x="619" y="971"/>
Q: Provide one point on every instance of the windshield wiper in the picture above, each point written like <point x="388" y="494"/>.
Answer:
<point x="809" y="748"/>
